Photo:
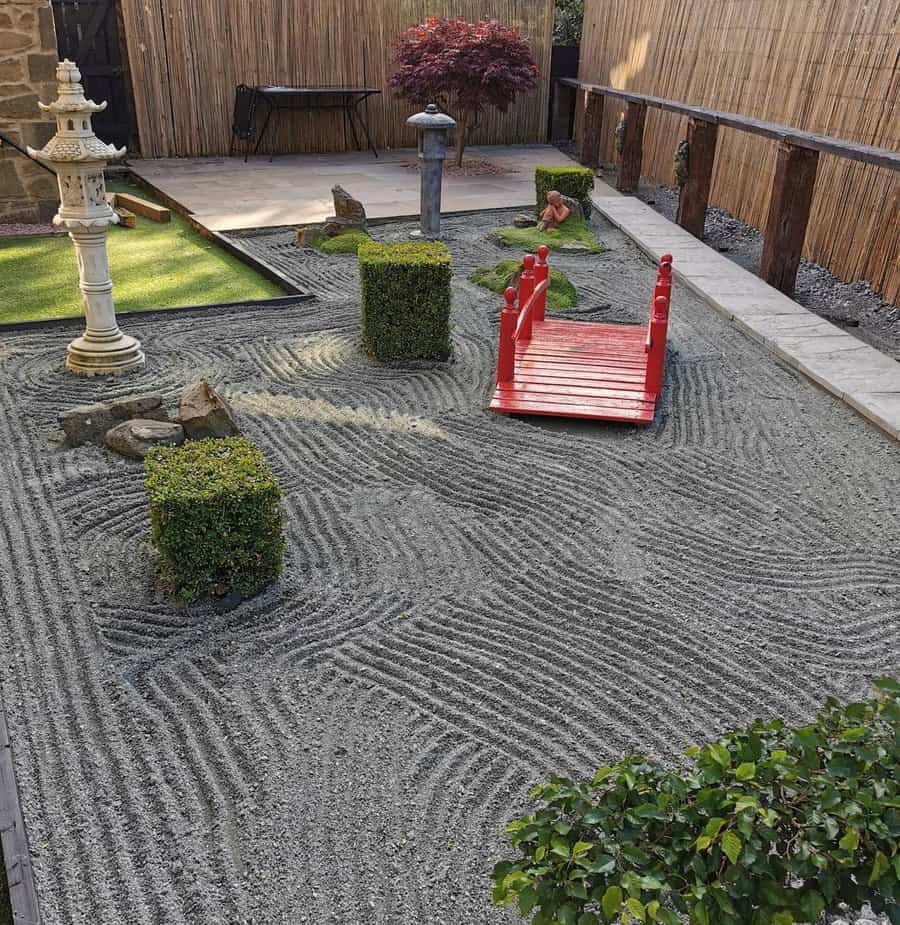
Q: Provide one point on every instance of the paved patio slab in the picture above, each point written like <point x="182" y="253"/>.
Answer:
<point x="831" y="357"/>
<point x="225" y="194"/>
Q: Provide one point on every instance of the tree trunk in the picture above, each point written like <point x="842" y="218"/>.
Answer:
<point x="462" y="130"/>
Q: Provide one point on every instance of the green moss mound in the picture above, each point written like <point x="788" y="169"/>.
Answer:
<point x="405" y="300"/>
<point x="346" y="243"/>
<point x="561" y="294"/>
<point x="215" y="517"/>
<point x="574" y="231"/>
<point x="573" y="181"/>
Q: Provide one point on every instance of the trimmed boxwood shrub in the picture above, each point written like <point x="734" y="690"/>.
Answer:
<point x="405" y="300"/>
<point x="215" y="517"/>
<point x="573" y="181"/>
<point x="771" y="826"/>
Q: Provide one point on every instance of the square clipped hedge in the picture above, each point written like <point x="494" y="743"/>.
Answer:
<point x="215" y="517"/>
<point x="405" y="300"/>
<point x="573" y="181"/>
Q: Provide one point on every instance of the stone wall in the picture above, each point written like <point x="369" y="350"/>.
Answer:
<point x="27" y="74"/>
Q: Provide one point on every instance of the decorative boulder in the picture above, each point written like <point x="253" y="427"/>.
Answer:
<point x="347" y="210"/>
<point x="137" y="437"/>
<point x="310" y="235"/>
<point x="202" y="412"/>
<point x="89" y="423"/>
<point x="523" y="220"/>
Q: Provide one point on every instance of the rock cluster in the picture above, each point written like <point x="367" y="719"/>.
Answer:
<point x="89" y="423"/>
<point x="132" y="425"/>
<point x="349" y="213"/>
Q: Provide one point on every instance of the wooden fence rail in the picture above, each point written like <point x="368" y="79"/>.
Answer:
<point x="795" y="172"/>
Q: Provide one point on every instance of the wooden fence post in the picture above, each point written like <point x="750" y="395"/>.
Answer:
<point x="694" y="196"/>
<point x="592" y="129"/>
<point x="789" y="207"/>
<point x="562" y="111"/>
<point x="633" y="151"/>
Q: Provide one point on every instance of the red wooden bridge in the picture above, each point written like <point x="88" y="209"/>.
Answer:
<point x="578" y="369"/>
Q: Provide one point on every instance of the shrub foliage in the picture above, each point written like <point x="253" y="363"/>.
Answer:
<point x="464" y="67"/>
<point x="771" y="826"/>
<point x="215" y="517"/>
<point x="405" y="300"/>
<point x="573" y="181"/>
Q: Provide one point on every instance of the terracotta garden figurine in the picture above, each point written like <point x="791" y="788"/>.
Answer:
<point x="555" y="213"/>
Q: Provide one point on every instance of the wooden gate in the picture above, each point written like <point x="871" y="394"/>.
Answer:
<point x="87" y="32"/>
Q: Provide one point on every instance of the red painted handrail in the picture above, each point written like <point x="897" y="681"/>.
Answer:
<point x="518" y="324"/>
<point x="657" y="329"/>
<point x="528" y="314"/>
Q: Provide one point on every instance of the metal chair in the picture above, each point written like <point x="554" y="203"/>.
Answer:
<point x="243" y="120"/>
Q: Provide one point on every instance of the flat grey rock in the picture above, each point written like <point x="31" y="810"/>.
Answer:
<point x="137" y="437"/>
<point x="89" y="423"/>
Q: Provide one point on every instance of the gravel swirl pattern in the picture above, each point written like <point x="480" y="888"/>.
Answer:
<point x="469" y="601"/>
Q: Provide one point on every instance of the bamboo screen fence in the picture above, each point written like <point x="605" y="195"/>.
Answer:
<point x="828" y="66"/>
<point x="187" y="56"/>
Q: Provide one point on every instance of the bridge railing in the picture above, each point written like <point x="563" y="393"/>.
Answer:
<point x="517" y="322"/>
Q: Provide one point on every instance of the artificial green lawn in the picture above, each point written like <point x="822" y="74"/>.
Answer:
<point x="154" y="265"/>
<point x="561" y="293"/>
<point x="572" y="231"/>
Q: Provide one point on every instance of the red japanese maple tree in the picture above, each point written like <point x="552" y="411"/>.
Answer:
<point x="464" y="67"/>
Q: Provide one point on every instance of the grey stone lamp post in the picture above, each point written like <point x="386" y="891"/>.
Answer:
<point x="432" y="127"/>
<point x="78" y="156"/>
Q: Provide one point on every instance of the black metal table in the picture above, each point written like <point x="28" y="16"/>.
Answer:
<point x="347" y="99"/>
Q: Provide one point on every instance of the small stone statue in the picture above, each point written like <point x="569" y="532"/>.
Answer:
<point x="555" y="213"/>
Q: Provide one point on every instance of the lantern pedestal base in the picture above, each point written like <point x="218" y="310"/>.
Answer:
<point x="92" y="355"/>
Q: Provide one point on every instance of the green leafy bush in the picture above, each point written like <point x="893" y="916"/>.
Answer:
<point x="405" y="300"/>
<point x="573" y="181"/>
<point x="560" y="294"/>
<point x="771" y="826"/>
<point x="573" y="234"/>
<point x="215" y="517"/>
<point x="345" y="243"/>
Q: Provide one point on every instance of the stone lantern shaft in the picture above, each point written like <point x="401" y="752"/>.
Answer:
<point x="432" y="126"/>
<point x="78" y="156"/>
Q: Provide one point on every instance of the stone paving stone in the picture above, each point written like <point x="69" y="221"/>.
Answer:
<point x="225" y="194"/>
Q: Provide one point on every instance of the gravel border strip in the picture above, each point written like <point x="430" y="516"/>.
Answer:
<point x="176" y="312"/>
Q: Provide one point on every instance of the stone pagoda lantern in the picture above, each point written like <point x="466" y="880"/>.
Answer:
<point x="78" y="156"/>
<point x="432" y="126"/>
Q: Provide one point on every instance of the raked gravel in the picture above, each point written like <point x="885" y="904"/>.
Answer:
<point x="469" y="602"/>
